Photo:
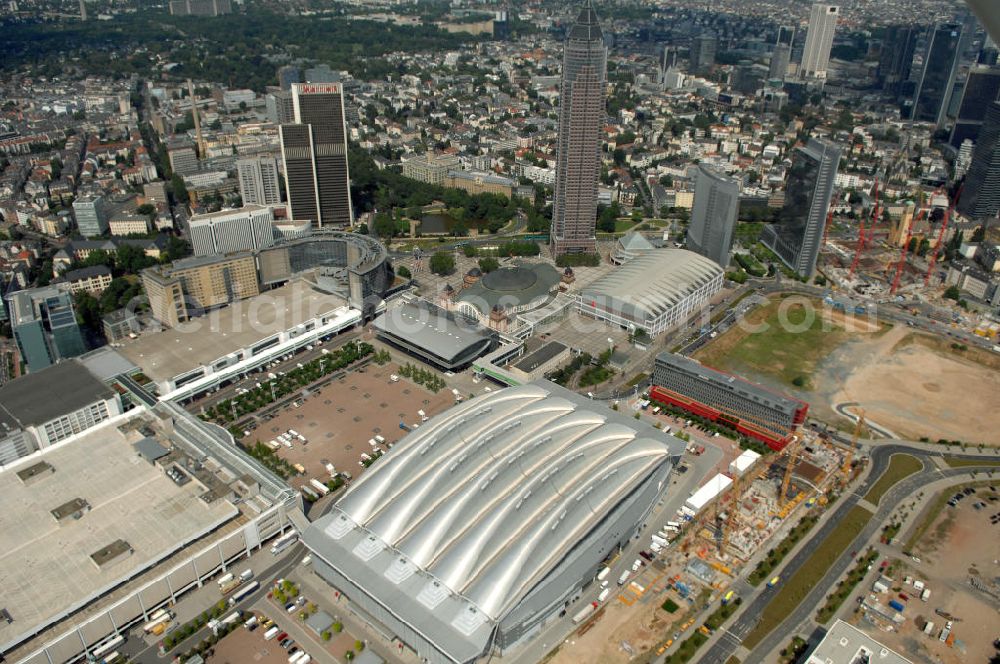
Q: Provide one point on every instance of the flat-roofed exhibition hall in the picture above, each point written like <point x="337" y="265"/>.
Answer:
<point x="479" y="525"/>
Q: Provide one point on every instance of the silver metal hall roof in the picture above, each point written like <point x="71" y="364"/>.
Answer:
<point x="465" y="515"/>
<point x="655" y="281"/>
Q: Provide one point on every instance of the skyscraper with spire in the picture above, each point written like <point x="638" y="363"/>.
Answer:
<point x="581" y="114"/>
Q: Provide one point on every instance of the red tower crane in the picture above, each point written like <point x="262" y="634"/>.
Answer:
<point x="940" y="240"/>
<point x="903" y="251"/>
<point x="861" y="234"/>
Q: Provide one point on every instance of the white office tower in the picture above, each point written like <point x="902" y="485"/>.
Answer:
<point x="258" y="178"/>
<point x="819" y="40"/>
<point x="228" y="231"/>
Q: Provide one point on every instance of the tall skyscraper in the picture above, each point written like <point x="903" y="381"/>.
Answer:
<point x="982" y="86"/>
<point x="581" y="113"/>
<point x="896" y="57"/>
<point x="780" y="57"/>
<point x="819" y="40"/>
<point x="314" y="150"/>
<point x="981" y="194"/>
<point x="702" y="54"/>
<point x="930" y="103"/>
<point x="798" y="233"/>
<point x="278" y="104"/>
<point x="258" y="177"/>
<point x="716" y="202"/>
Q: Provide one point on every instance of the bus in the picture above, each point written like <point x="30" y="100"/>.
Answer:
<point x="107" y="646"/>
<point x="284" y="542"/>
<point x="673" y="524"/>
<point x="155" y="622"/>
<point x="243" y="593"/>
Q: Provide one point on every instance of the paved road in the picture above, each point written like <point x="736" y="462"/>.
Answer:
<point x="752" y="609"/>
<point x="139" y="652"/>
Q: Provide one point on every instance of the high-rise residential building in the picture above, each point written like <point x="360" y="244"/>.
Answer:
<point x="819" y="40"/>
<point x="797" y="235"/>
<point x="91" y="216"/>
<point x="278" y="106"/>
<point x="713" y="218"/>
<point x="930" y="102"/>
<point x="581" y="114"/>
<point x="259" y="182"/>
<point x="44" y="325"/>
<point x="228" y="231"/>
<point x="982" y="87"/>
<point x="980" y="197"/>
<point x="288" y="75"/>
<point x="314" y="150"/>
<point x="192" y="285"/>
<point x="702" y="53"/>
<point x="896" y="57"/>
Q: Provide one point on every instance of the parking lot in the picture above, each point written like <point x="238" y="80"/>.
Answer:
<point x="339" y="420"/>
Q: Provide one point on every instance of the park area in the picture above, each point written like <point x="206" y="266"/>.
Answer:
<point x="826" y="357"/>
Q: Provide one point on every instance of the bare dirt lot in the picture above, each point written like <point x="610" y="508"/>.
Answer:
<point x="918" y="386"/>
<point x="960" y="544"/>
<point x="911" y="383"/>
<point x="241" y="647"/>
<point x="339" y="419"/>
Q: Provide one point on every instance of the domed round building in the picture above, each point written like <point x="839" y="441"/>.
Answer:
<point x="506" y="291"/>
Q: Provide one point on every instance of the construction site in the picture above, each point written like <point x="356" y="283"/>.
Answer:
<point x="897" y="249"/>
<point x="722" y="527"/>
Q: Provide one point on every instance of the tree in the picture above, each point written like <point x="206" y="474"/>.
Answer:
<point x="147" y="209"/>
<point x="384" y="226"/>
<point x="179" y="189"/>
<point x="953" y="293"/>
<point x="442" y="263"/>
<point x="404" y="272"/>
<point x="177" y="248"/>
<point x="488" y="264"/>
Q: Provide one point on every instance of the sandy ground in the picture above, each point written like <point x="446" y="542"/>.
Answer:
<point x="960" y="543"/>
<point x="906" y="384"/>
<point x="339" y="420"/>
<point x="241" y="647"/>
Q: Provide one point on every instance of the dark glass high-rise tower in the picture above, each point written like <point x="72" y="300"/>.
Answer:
<point x="797" y="235"/>
<point x="981" y="193"/>
<point x="930" y="103"/>
<point x="581" y="113"/>
<point x="716" y="203"/>
<point x="314" y="150"/>
<point x="982" y="87"/>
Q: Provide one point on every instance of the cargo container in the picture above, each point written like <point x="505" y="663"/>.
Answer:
<point x="897" y="605"/>
<point x="926" y="595"/>
<point x="623" y="578"/>
<point x="929" y="627"/>
<point x="603" y="573"/>
<point x="603" y="595"/>
<point x="321" y="488"/>
<point x="284" y="542"/>
<point x="584" y="612"/>
<point x="243" y="593"/>
<point x="246" y="574"/>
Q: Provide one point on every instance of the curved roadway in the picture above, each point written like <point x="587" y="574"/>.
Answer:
<point x="751" y="611"/>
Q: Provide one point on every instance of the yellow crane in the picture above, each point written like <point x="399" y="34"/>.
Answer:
<point x="793" y="453"/>
<point x="854" y="442"/>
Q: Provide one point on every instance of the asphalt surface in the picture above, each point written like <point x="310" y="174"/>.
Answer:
<point x="137" y="651"/>
<point x="748" y="617"/>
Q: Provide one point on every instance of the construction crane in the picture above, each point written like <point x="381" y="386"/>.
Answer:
<point x="940" y="240"/>
<point x="730" y="523"/>
<point x="793" y="453"/>
<point x="854" y="442"/>
<point x="861" y="234"/>
<point x="905" y="249"/>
